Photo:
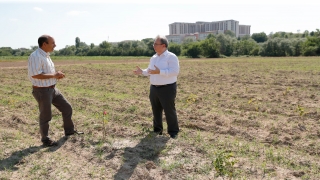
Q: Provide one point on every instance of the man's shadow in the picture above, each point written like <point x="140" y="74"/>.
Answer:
<point x="17" y="157"/>
<point x="148" y="149"/>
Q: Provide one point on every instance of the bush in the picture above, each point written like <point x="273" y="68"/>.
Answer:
<point x="310" y="51"/>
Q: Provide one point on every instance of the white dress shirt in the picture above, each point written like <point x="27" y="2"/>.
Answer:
<point x="39" y="62"/>
<point x="168" y="64"/>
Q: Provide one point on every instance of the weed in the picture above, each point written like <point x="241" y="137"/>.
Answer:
<point x="300" y="110"/>
<point x="192" y="98"/>
<point x="224" y="164"/>
<point x="199" y="138"/>
<point x="286" y="91"/>
<point x="35" y="168"/>
<point x="132" y="109"/>
<point x="171" y="166"/>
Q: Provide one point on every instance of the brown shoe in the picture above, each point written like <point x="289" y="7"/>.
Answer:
<point x="49" y="143"/>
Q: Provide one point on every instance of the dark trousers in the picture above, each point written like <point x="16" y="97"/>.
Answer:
<point x="163" y="99"/>
<point x="45" y="97"/>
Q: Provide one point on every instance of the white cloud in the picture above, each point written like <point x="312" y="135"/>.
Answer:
<point x="37" y="9"/>
<point x="76" y="13"/>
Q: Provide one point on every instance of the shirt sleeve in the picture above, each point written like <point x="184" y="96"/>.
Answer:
<point x="173" y="67"/>
<point x="35" y="65"/>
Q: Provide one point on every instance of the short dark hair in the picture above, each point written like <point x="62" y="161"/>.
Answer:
<point x="43" y="39"/>
<point x="163" y="40"/>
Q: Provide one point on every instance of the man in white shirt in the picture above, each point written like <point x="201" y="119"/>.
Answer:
<point x="163" y="71"/>
<point x="43" y="76"/>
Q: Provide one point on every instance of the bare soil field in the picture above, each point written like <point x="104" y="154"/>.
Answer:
<point x="240" y="118"/>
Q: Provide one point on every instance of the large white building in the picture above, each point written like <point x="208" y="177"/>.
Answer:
<point x="200" y="30"/>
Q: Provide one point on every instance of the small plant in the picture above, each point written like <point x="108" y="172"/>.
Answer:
<point x="286" y="91"/>
<point x="192" y="98"/>
<point x="251" y="101"/>
<point x="224" y="164"/>
<point x="300" y="110"/>
<point x="254" y="103"/>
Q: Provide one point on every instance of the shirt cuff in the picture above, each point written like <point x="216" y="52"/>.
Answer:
<point x="162" y="72"/>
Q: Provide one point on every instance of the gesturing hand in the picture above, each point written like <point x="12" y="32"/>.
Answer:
<point x="59" y="75"/>
<point x="138" y="70"/>
<point x="156" y="71"/>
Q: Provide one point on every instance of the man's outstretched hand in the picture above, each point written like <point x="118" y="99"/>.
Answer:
<point x="138" y="70"/>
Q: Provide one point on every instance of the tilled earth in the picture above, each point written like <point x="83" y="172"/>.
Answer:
<point x="257" y="116"/>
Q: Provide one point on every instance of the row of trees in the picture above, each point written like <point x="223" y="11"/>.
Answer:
<point x="259" y="44"/>
<point x="221" y="45"/>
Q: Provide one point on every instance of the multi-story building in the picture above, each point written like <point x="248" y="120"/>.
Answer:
<point x="244" y="30"/>
<point x="201" y="29"/>
<point x="175" y="38"/>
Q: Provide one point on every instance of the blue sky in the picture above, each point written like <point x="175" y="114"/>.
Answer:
<point x="93" y="21"/>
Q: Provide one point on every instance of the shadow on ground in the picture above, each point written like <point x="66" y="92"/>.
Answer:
<point x="17" y="157"/>
<point x="148" y="149"/>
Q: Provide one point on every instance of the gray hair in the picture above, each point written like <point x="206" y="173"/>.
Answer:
<point x="163" y="40"/>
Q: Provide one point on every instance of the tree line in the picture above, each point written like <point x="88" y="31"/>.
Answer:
<point x="214" y="46"/>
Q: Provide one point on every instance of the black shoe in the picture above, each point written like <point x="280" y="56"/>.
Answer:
<point x="49" y="143"/>
<point x="158" y="132"/>
<point x="74" y="132"/>
<point x="174" y="136"/>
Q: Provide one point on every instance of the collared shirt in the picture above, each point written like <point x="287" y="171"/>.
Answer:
<point x="39" y="62"/>
<point x="168" y="64"/>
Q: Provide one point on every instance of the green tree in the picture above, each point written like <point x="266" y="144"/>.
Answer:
<point x="297" y="46"/>
<point x="193" y="50"/>
<point x="229" y="33"/>
<point x="226" y="44"/>
<point x="246" y="47"/>
<point x="259" y="37"/>
<point x="77" y="42"/>
<point x="310" y="51"/>
<point x="67" y="51"/>
<point x="210" y="47"/>
<point x="175" y="48"/>
<point x="271" y="48"/>
<point x="246" y="37"/>
<point x="33" y="48"/>
<point x="6" y="51"/>
<point x="82" y="51"/>
<point x="91" y="46"/>
<point x="311" y="47"/>
<point x="312" y="33"/>
<point x="149" y="51"/>
<point x="282" y="47"/>
<point x="95" y="51"/>
<point x="104" y="45"/>
<point x="306" y="33"/>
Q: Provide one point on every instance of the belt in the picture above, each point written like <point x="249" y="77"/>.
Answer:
<point x="163" y="85"/>
<point x="44" y="87"/>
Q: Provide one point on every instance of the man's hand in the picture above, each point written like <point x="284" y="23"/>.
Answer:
<point x="138" y="70"/>
<point x="59" y="75"/>
<point x="156" y="71"/>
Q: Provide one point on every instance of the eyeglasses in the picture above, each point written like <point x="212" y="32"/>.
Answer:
<point x="156" y="44"/>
